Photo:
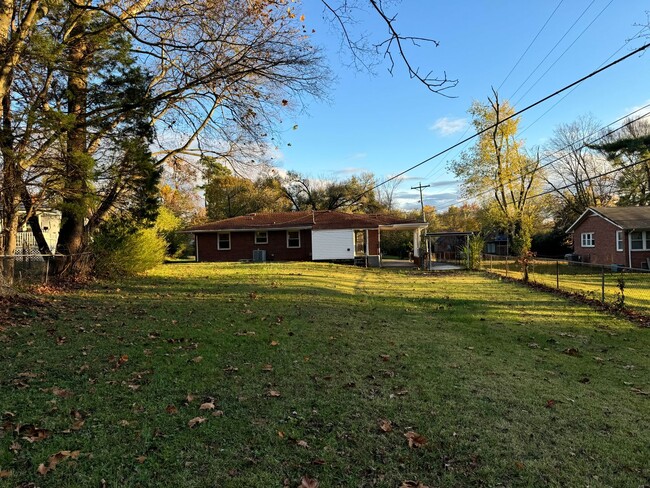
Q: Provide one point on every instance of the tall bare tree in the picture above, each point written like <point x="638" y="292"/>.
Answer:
<point x="574" y="170"/>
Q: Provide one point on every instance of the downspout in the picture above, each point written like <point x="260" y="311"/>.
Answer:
<point x="196" y="246"/>
<point x="629" y="248"/>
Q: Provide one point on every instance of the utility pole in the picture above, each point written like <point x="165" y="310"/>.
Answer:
<point x="420" y="187"/>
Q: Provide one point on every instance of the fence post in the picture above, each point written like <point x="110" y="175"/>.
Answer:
<point x="506" y="265"/>
<point x="557" y="274"/>
<point x="491" y="262"/>
<point x="602" y="287"/>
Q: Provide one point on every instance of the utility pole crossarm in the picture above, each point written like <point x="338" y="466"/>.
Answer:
<point x="420" y="187"/>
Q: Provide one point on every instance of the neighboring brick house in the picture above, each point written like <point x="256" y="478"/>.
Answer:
<point x="298" y="236"/>
<point x="613" y="235"/>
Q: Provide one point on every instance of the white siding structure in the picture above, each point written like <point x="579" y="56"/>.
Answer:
<point x="332" y="244"/>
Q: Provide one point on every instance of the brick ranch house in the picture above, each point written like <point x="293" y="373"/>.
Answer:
<point x="613" y="235"/>
<point x="299" y="236"/>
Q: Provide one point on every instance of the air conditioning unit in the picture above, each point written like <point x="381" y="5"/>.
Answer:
<point x="259" y="256"/>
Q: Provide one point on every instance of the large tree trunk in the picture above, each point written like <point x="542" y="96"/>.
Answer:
<point x="78" y="164"/>
<point x="10" y="193"/>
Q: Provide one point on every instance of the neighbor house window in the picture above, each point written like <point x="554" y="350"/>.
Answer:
<point x="588" y="239"/>
<point x="293" y="238"/>
<point x="639" y="241"/>
<point x="491" y="248"/>
<point x="262" y="237"/>
<point x="619" y="240"/>
<point x="223" y="241"/>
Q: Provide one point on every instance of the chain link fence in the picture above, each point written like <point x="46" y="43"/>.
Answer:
<point x="38" y="269"/>
<point x="609" y="284"/>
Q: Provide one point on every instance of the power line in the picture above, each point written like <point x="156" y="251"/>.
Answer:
<point x="437" y="169"/>
<point x="530" y="45"/>
<point x="553" y="48"/>
<point x="573" y="89"/>
<point x="582" y="146"/>
<point x="588" y="180"/>
<point x="563" y="53"/>
<point x="492" y="126"/>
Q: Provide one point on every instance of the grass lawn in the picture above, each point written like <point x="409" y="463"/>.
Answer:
<point x="587" y="280"/>
<point x="260" y="375"/>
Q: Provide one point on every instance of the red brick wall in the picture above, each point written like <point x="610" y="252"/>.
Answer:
<point x="242" y="245"/>
<point x="604" y="252"/>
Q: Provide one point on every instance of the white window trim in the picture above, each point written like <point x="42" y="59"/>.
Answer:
<point x="266" y="237"/>
<point x="619" y="241"/>
<point x="299" y="241"/>
<point x="219" y="248"/>
<point x="583" y="239"/>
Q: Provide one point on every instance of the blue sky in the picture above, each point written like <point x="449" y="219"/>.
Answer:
<point x="384" y="124"/>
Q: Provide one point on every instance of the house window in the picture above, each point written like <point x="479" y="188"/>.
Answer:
<point x="587" y="239"/>
<point x="619" y="240"/>
<point x="262" y="237"/>
<point x="491" y="248"/>
<point x="223" y="241"/>
<point x="293" y="238"/>
<point x="639" y="241"/>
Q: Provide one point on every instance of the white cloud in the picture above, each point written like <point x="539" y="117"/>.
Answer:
<point x="447" y="126"/>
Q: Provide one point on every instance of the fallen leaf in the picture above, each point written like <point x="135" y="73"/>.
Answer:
<point x="123" y="423"/>
<point x="550" y="403"/>
<point x="267" y="367"/>
<point x="5" y="473"/>
<point x="638" y="391"/>
<point x="55" y="459"/>
<point x="401" y="392"/>
<point x="171" y="410"/>
<point x="275" y="343"/>
<point x="207" y="406"/>
<point x="32" y="434"/>
<point x="412" y="484"/>
<point x="519" y="465"/>
<point x="195" y="421"/>
<point x="307" y="482"/>
<point x="60" y="392"/>
<point x="141" y="459"/>
<point x="197" y="359"/>
<point x="415" y="439"/>
<point x="15" y="447"/>
<point x="280" y="434"/>
<point x="385" y="357"/>
<point x="302" y="444"/>
<point x="273" y="393"/>
<point x="217" y="413"/>
<point x="386" y="425"/>
<point x="285" y="103"/>
<point x="230" y="369"/>
<point x="571" y="351"/>
<point x="189" y="398"/>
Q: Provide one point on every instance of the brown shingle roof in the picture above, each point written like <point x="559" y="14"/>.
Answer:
<point x="627" y="218"/>
<point x="318" y="220"/>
